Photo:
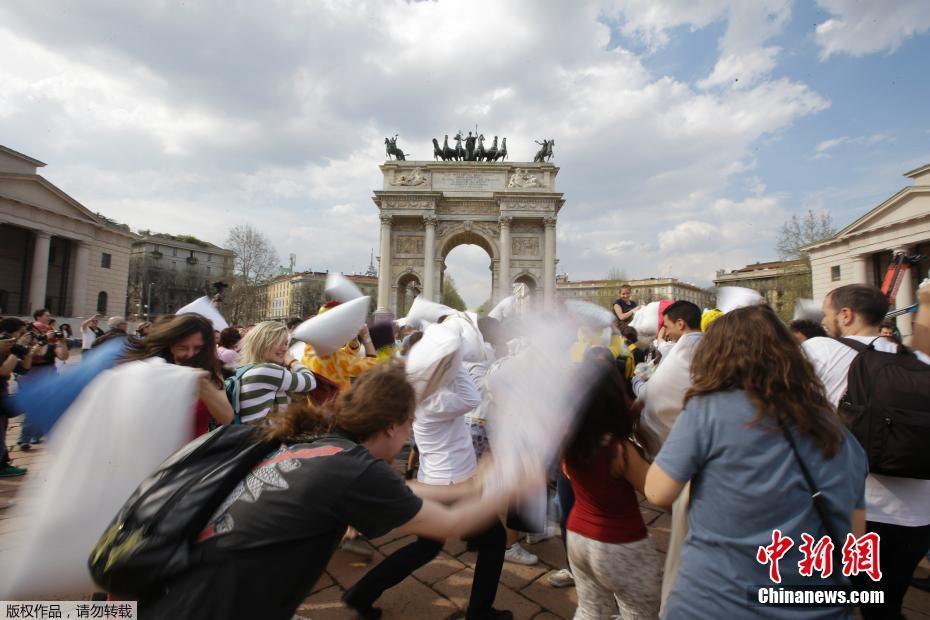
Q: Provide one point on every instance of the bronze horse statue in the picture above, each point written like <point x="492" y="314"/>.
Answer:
<point x="437" y="150"/>
<point x="390" y="146"/>
<point x="448" y="153"/>
<point x="480" y="153"/>
<point x="545" y="153"/>
<point x="491" y="153"/>
<point x="502" y="151"/>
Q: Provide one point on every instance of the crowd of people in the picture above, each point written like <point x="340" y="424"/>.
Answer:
<point x="737" y="422"/>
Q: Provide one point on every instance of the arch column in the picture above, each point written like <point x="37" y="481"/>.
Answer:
<point x="503" y="279"/>
<point x="39" y="277"/>
<point x="549" y="265"/>
<point x="429" y="258"/>
<point x="384" y="266"/>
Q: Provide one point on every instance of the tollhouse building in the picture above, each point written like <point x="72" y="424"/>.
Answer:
<point x="54" y="252"/>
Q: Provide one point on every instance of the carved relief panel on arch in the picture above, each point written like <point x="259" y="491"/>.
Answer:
<point x="525" y="246"/>
<point x="407" y="244"/>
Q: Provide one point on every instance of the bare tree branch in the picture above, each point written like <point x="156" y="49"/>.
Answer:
<point x="798" y="232"/>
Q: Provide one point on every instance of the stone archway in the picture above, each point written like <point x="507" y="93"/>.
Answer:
<point x="408" y="287"/>
<point x="428" y="208"/>
<point x="466" y="234"/>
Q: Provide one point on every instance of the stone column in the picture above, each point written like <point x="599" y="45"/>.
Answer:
<point x="860" y="269"/>
<point x="549" y="266"/>
<point x="904" y="299"/>
<point x="384" y="267"/>
<point x="79" y="287"/>
<point x="504" y="285"/>
<point x="429" y="258"/>
<point x="39" y="279"/>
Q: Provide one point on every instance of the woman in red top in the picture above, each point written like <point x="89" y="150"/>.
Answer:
<point x="616" y="566"/>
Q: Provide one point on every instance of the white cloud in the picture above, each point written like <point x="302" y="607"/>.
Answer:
<point x="822" y="150"/>
<point x="857" y="27"/>
<point x="278" y="118"/>
<point x="741" y="69"/>
<point x="650" y="21"/>
<point x="686" y="236"/>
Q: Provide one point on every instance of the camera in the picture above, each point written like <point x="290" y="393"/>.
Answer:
<point x="15" y="349"/>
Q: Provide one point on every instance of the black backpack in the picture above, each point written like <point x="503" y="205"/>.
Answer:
<point x="887" y="408"/>
<point x="151" y="539"/>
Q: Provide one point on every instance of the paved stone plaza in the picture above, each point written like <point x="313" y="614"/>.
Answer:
<point x="440" y="589"/>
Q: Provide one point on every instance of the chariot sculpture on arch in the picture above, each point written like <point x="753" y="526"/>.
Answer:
<point x="473" y="150"/>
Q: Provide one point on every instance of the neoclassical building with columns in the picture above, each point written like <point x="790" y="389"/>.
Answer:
<point x="862" y="251"/>
<point x="54" y="252"/>
<point x="429" y="208"/>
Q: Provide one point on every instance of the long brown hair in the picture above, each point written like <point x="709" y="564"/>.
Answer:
<point x="379" y="398"/>
<point x="165" y="333"/>
<point x="606" y="412"/>
<point x="750" y="349"/>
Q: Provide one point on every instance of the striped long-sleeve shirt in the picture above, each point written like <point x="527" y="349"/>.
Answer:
<point x="265" y="385"/>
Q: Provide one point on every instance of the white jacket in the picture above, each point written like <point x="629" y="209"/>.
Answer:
<point x="447" y="455"/>
<point x="664" y="394"/>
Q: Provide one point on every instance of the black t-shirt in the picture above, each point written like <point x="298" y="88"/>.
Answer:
<point x="269" y="542"/>
<point x="625" y="306"/>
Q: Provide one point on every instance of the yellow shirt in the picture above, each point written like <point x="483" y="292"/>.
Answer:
<point x="340" y="367"/>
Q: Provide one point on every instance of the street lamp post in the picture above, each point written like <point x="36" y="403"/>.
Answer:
<point x="148" y="307"/>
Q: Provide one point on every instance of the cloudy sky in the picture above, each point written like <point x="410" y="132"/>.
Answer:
<point x="687" y="131"/>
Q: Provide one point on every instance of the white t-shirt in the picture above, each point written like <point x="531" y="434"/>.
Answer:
<point x="888" y="499"/>
<point x="664" y="394"/>
<point x="87" y="338"/>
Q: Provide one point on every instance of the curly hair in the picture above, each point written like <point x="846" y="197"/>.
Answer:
<point x="379" y="398"/>
<point x="750" y="349"/>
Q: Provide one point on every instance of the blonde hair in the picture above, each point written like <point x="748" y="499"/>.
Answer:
<point x="260" y="340"/>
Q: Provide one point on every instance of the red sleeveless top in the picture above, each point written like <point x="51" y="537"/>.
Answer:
<point x="606" y="508"/>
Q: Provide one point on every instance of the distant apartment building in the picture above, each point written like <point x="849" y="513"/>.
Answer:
<point x="301" y="294"/>
<point x="604" y="292"/>
<point x="166" y="272"/>
<point x="781" y="283"/>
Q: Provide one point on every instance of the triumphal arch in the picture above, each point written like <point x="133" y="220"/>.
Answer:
<point x="428" y="208"/>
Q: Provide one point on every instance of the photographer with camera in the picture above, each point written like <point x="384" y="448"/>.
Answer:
<point x="16" y="352"/>
<point x="52" y="346"/>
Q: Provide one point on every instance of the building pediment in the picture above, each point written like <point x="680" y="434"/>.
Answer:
<point x="35" y="191"/>
<point x="909" y="203"/>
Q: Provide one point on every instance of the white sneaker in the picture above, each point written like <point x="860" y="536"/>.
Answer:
<point x="561" y="578"/>
<point x="532" y="539"/>
<point x="519" y="555"/>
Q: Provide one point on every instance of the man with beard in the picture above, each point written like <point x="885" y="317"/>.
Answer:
<point x="896" y="508"/>
<point x="187" y="340"/>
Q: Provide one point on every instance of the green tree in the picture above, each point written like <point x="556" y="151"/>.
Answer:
<point x="450" y="294"/>
<point x="486" y="307"/>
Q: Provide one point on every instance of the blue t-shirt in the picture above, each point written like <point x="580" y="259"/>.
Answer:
<point x="745" y="482"/>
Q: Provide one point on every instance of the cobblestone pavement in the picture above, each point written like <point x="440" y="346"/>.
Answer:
<point x="440" y="589"/>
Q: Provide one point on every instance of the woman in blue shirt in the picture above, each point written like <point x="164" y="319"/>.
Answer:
<point x="749" y="373"/>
